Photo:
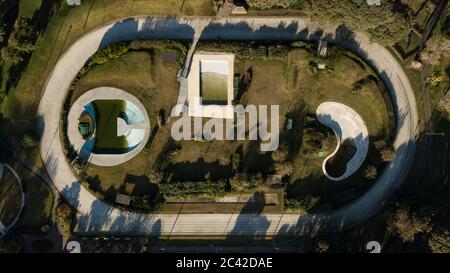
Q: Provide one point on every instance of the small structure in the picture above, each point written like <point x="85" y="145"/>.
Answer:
<point x="416" y="65"/>
<point x="84" y="129"/>
<point x="123" y="199"/>
<point x="374" y="2"/>
<point x="289" y="124"/>
<point x="322" y="48"/>
<point x="321" y="66"/>
<point x="238" y="10"/>
<point x="74" y="2"/>
<point x="274" y="180"/>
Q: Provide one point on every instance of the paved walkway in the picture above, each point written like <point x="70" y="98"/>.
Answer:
<point x="98" y="217"/>
<point x="346" y="124"/>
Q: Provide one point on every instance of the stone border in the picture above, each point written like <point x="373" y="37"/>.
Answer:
<point x="346" y="123"/>
<point x="104" y="160"/>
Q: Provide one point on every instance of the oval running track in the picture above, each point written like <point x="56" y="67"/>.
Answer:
<point x="96" y="217"/>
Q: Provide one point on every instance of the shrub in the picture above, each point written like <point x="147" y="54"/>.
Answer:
<point x="64" y="215"/>
<point x="322" y="247"/>
<point x="279" y="155"/>
<point x="155" y="176"/>
<point x="194" y="188"/>
<point x="316" y="137"/>
<point x="29" y="141"/>
<point x="407" y="224"/>
<point x="244" y="181"/>
<point x="110" y="52"/>
<point x="284" y="169"/>
<point x="387" y="153"/>
<point x="370" y="172"/>
<point x="146" y="203"/>
<point x="436" y="49"/>
<point x="305" y="204"/>
<point x="268" y="4"/>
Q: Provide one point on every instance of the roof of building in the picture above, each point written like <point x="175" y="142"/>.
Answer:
<point x="123" y="199"/>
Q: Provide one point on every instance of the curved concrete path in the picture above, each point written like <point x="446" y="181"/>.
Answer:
<point x="84" y="147"/>
<point x="346" y="124"/>
<point x="96" y="216"/>
<point x="4" y="229"/>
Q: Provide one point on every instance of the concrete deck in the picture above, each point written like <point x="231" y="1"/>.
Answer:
<point x="195" y="107"/>
<point x="346" y="124"/>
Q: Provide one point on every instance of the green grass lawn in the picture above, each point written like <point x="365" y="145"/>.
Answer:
<point x="106" y="139"/>
<point x="28" y="8"/>
<point x="409" y="45"/>
<point x="415" y="5"/>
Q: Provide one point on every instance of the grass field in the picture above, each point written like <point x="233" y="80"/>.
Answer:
<point x="38" y="203"/>
<point x="29" y="8"/>
<point x="10" y="197"/>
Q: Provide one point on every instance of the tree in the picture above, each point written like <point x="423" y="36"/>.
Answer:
<point x="22" y="36"/>
<point x="10" y="55"/>
<point x="20" y="41"/>
<point x="279" y="155"/>
<point x="29" y="141"/>
<point x="444" y="103"/>
<point x="322" y="247"/>
<point x="284" y="169"/>
<point x="155" y="176"/>
<point x="439" y="242"/>
<point x="236" y="160"/>
<point x="64" y="216"/>
<point x="387" y="153"/>
<point x="407" y="224"/>
<point x="383" y="23"/>
<point x="370" y="172"/>
<point x="436" y="49"/>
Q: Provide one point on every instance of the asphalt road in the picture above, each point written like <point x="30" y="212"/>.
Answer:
<point x="96" y="217"/>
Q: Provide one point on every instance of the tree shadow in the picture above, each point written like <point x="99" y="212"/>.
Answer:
<point x="250" y="221"/>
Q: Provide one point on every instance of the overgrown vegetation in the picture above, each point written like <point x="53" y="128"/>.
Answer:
<point x="64" y="217"/>
<point x="385" y="24"/>
<point x="268" y="4"/>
